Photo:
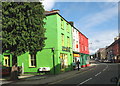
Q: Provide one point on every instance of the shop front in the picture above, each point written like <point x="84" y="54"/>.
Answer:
<point x="6" y="63"/>
<point x="83" y="58"/>
<point x="87" y="60"/>
<point x="63" y="61"/>
<point x="76" y="57"/>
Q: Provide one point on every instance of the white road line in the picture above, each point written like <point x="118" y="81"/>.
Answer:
<point x="98" y="74"/>
<point x="107" y="66"/>
<point x="84" y="81"/>
<point x="104" y="69"/>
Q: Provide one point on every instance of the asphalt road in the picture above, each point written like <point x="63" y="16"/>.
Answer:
<point x="100" y="75"/>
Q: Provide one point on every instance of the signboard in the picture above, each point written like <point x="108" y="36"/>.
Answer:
<point x="66" y="49"/>
<point x="44" y="69"/>
<point x="76" y="55"/>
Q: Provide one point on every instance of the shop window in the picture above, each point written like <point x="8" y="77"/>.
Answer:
<point x="32" y="60"/>
<point x="64" y="61"/>
<point x="7" y="60"/>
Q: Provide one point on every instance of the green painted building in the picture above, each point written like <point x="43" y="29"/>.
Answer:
<point x="57" y="53"/>
<point x="6" y="59"/>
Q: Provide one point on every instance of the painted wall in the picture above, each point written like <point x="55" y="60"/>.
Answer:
<point x="2" y="58"/>
<point x="83" y="44"/>
<point x="84" y="51"/>
<point x="76" y="45"/>
<point x="45" y="57"/>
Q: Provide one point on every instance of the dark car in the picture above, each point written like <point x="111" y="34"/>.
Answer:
<point x="4" y="70"/>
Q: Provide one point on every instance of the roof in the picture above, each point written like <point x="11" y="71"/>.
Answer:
<point x="53" y="12"/>
<point x="100" y="49"/>
<point x="116" y="41"/>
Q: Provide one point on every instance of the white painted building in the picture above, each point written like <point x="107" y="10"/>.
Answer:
<point x="76" y="44"/>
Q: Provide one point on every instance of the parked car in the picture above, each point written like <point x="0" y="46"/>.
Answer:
<point x="4" y="70"/>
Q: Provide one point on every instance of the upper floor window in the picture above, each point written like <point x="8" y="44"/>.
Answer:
<point x="62" y="38"/>
<point x="76" y="44"/>
<point x="62" y="24"/>
<point x="73" y="30"/>
<point x="67" y="27"/>
<point x="68" y="42"/>
<point x="32" y="60"/>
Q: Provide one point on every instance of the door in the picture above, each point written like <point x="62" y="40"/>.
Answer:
<point x="7" y="60"/>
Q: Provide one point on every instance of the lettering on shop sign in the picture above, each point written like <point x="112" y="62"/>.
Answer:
<point x="67" y="49"/>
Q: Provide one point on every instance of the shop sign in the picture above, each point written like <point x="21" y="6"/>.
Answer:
<point x="66" y="49"/>
<point x="76" y="55"/>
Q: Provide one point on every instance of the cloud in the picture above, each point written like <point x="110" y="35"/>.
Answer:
<point x="87" y="0"/>
<point x="102" y="39"/>
<point x="93" y="20"/>
<point x="48" y="4"/>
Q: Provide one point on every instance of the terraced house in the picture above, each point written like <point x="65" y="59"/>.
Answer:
<point x="57" y="53"/>
<point x="80" y="48"/>
<point x="63" y="45"/>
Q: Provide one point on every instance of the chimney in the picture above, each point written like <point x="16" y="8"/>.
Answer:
<point x="71" y="22"/>
<point x="55" y="10"/>
<point x="116" y="38"/>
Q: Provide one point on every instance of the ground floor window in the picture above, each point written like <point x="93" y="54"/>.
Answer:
<point x="32" y="61"/>
<point x="7" y="60"/>
<point x="64" y="60"/>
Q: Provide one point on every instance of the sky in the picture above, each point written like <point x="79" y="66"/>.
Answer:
<point x="96" y="20"/>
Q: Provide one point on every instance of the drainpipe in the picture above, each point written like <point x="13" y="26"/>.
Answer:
<point x="53" y="60"/>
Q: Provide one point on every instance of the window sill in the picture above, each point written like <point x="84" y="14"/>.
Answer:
<point x="32" y="66"/>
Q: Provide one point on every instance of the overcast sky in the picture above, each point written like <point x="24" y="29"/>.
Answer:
<point x="97" y="20"/>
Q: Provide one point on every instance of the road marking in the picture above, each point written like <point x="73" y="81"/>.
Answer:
<point x="104" y="69"/>
<point x="98" y="74"/>
<point x="74" y="75"/>
<point x="84" y="81"/>
<point x="68" y="77"/>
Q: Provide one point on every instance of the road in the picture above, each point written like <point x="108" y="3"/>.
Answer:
<point x="101" y="74"/>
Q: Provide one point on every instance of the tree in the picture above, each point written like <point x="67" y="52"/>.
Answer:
<point x="22" y="27"/>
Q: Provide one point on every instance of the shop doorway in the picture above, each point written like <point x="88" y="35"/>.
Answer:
<point x="7" y="60"/>
<point x="64" y="61"/>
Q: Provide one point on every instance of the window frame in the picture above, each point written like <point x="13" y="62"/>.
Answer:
<point x="68" y="41"/>
<point x="62" y="39"/>
<point x="32" y="57"/>
<point x="67" y="27"/>
<point x="7" y="57"/>
<point x="62" y="24"/>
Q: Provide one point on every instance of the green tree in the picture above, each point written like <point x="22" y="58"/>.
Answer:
<point x="22" y="27"/>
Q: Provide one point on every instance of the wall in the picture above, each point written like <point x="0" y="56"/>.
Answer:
<point x="76" y="45"/>
<point x="45" y="57"/>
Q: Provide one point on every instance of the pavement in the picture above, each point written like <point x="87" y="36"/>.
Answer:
<point x="45" y="79"/>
